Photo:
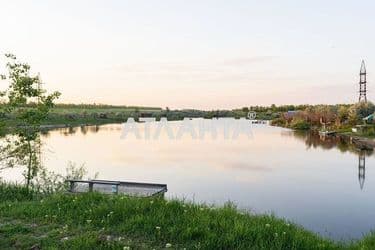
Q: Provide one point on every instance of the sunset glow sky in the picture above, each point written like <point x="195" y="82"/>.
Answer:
<point x="205" y="54"/>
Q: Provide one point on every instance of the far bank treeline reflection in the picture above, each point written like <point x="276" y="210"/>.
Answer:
<point x="312" y="139"/>
<point x="69" y="131"/>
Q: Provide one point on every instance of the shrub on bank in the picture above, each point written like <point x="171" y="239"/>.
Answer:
<point x="299" y="124"/>
<point x="15" y="192"/>
<point x="361" y="110"/>
<point x="278" y="122"/>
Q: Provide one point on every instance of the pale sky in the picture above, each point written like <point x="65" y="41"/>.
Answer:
<point x="205" y="54"/>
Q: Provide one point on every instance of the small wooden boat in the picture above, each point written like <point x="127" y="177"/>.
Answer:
<point x="118" y="187"/>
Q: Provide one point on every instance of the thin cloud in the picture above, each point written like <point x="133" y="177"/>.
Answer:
<point x="179" y="67"/>
<point x="243" y="61"/>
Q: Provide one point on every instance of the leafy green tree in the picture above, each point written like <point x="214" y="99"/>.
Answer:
<point x="273" y="108"/>
<point x="245" y="110"/>
<point x="299" y="124"/>
<point x="362" y="109"/>
<point x="29" y="106"/>
<point x="343" y="113"/>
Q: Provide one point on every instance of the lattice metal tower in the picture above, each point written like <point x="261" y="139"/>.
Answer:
<point x="361" y="169"/>
<point x="362" y="83"/>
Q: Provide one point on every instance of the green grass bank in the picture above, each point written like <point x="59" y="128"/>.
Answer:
<point x="96" y="221"/>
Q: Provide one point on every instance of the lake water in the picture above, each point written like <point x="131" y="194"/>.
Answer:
<point x="319" y="184"/>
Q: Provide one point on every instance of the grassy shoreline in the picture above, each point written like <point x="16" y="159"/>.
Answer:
<point x="344" y="131"/>
<point x="75" y="115"/>
<point x="88" y="221"/>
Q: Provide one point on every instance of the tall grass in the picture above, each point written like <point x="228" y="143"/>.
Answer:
<point x="15" y="192"/>
<point x="97" y="221"/>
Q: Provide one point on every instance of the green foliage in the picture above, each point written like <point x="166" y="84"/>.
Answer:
<point x="245" y="109"/>
<point x="343" y="113"/>
<point x="21" y="148"/>
<point x="361" y="110"/>
<point x="15" y="192"/>
<point x="24" y="89"/>
<point x="299" y="124"/>
<point x="48" y="182"/>
<point x="278" y="122"/>
<point x="368" y="131"/>
<point x="337" y="117"/>
<point x="95" y="114"/>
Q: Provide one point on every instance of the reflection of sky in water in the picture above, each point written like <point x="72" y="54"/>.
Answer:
<point x="296" y="176"/>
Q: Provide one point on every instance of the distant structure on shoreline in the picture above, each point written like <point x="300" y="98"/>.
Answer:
<point x="362" y="83"/>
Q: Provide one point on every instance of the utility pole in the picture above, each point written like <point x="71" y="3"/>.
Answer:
<point x="362" y="83"/>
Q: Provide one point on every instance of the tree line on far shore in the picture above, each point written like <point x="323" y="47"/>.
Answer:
<point x="340" y="116"/>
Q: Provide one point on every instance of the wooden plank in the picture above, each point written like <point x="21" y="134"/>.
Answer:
<point x="143" y="184"/>
<point x="96" y="182"/>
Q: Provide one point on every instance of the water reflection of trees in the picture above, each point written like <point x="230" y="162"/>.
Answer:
<point x="313" y="140"/>
<point x="84" y="130"/>
<point x="45" y="133"/>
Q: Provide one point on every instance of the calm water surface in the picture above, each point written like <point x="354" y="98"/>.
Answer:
<point x="317" y="184"/>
